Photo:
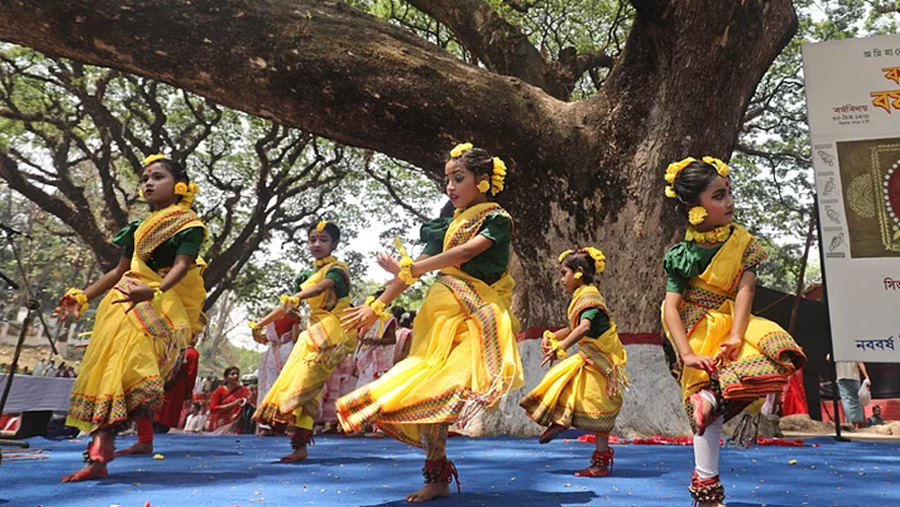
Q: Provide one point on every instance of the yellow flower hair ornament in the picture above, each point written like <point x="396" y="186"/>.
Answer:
<point x="721" y="167"/>
<point x="153" y="158"/>
<point x="697" y="215"/>
<point x="187" y="191"/>
<point x="321" y="226"/>
<point x="459" y="149"/>
<point x="565" y="254"/>
<point x="578" y="275"/>
<point x="672" y="173"/>
<point x="597" y="255"/>
<point x="483" y="186"/>
<point x="498" y="177"/>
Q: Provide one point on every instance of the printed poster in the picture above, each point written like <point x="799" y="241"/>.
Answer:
<point x="853" y="99"/>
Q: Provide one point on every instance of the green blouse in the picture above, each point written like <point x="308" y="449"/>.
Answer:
<point x="489" y="265"/>
<point x="186" y="242"/>
<point x="341" y="287"/>
<point x="685" y="261"/>
<point x="599" y="321"/>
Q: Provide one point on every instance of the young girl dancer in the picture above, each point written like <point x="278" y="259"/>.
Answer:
<point x="293" y="399"/>
<point x="463" y="355"/>
<point x="135" y="346"/>
<point x="585" y="390"/>
<point x="729" y="357"/>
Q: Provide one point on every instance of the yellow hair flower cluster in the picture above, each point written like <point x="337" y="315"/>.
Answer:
<point x="378" y="307"/>
<point x="321" y="225"/>
<point x="672" y="173"/>
<point x="554" y="344"/>
<point x="153" y="158"/>
<point x="721" y="167"/>
<point x="597" y="255"/>
<point x="676" y="167"/>
<point x="187" y="191"/>
<point x="594" y="253"/>
<point x="483" y="186"/>
<point x="498" y="177"/>
<point x="696" y="215"/>
<point x="459" y="149"/>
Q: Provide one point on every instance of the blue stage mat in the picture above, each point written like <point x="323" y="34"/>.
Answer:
<point x="225" y="471"/>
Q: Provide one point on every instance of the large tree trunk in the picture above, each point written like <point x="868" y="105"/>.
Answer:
<point x="584" y="173"/>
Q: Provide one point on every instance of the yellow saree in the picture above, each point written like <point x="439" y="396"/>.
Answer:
<point x="463" y="352"/>
<point x="295" y="395"/>
<point x="130" y="356"/>
<point x="585" y="390"/>
<point x="769" y="355"/>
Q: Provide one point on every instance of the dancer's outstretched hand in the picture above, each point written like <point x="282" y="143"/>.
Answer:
<point x="136" y="293"/>
<point x="259" y="337"/>
<point x="549" y="356"/>
<point x="359" y="318"/>
<point x="699" y="362"/>
<point x="388" y="263"/>
<point x="68" y="306"/>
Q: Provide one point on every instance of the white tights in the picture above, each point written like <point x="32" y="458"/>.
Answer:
<point x="706" y="450"/>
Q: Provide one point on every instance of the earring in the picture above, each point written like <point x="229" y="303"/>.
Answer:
<point x="696" y="215"/>
<point x="578" y="275"/>
<point x="483" y="186"/>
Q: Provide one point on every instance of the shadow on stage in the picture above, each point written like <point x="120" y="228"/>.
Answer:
<point x="521" y="498"/>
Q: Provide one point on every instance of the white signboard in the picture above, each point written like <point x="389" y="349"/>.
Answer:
<point x="853" y="98"/>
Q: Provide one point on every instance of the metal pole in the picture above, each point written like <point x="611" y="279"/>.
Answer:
<point x="834" y="388"/>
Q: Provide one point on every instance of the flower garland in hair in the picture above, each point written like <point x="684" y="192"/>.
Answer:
<point x="597" y="255"/>
<point x="187" y="191"/>
<point x="672" y="173"/>
<point x="498" y="177"/>
<point x="498" y="174"/>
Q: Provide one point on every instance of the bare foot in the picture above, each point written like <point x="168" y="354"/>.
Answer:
<point x="91" y="471"/>
<point x="137" y="448"/>
<point x="712" y="504"/>
<point x="298" y="455"/>
<point x="429" y="491"/>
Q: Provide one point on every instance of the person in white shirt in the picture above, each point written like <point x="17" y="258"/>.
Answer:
<point x="39" y="368"/>
<point x="196" y="422"/>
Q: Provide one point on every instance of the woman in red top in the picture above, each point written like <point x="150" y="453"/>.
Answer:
<point x="227" y="400"/>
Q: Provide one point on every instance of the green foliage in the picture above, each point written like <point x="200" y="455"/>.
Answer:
<point x="773" y="168"/>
